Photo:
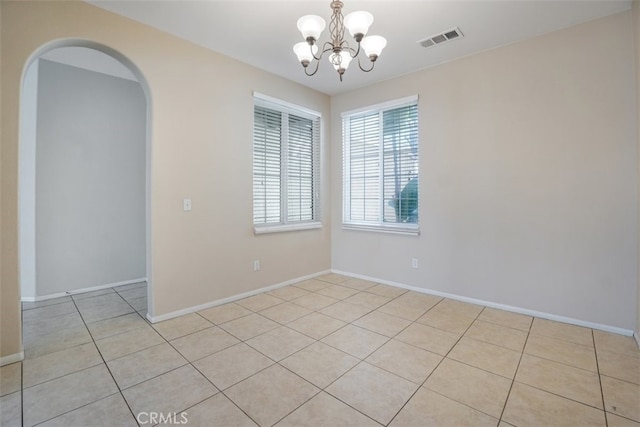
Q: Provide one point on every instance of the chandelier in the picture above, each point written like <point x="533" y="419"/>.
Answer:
<point x="311" y="26"/>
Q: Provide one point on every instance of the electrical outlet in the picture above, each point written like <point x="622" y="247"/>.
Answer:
<point x="414" y="262"/>
<point x="256" y="265"/>
<point x="186" y="205"/>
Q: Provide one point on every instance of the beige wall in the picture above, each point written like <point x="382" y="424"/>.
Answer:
<point x="201" y="109"/>
<point x="635" y="9"/>
<point x="528" y="179"/>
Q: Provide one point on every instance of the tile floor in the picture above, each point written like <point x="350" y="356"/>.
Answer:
<point x="331" y="351"/>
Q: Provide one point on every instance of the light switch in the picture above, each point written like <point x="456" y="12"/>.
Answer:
<point x="186" y="205"/>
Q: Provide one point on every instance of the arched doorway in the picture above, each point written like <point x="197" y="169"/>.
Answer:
<point x="85" y="197"/>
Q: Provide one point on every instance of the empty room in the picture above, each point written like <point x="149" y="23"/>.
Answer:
<point x="319" y="213"/>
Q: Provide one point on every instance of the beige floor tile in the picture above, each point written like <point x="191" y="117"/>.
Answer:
<point x="10" y="378"/>
<point x="316" y="325"/>
<point x="562" y="331"/>
<point x="386" y="291"/>
<point x="382" y="323"/>
<point x="139" y="304"/>
<point x="621" y="398"/>
<point x="428" y="338"/>
<point x="91" y="294"/>
<point x="474" y="387"/>
<point x="259" y="302"/>
<point x="45" y="303"/>
<point x="502" y="336"/>
<point x="173" y="392"/>
<point x="53" y="398"/>
<point x="320" y="364"/>
<point x="312" y="285"/>
<point x="446" y="321"/>
<point x="217" y="411"/>
<point x="326" y="411"/>
<point x="285" y="313"/>
<point x="232" y="365"/>
<point x="367" y="300"/>
<point x="427" y="408"/>
<point x="418" y="300"/>
<point x="567" y="381"/>
<point x="489" y="357"/>
<point x="528" y="406"/>
<point x="356" y="341"/>
<point x="399" y="309"/>
<point x="107" y="412"/>
<point x="56" y="341"/>
<point x="619" y="365"/>
<point x="565" y="352"/>
<point x="459" y="308"/>
<point x="129" y="294"/>
<point x="271" y="394"/>
<point x="148" y="363"/>
<point x="617" y="421"/>
<point x="373" y="391"/>
<point x="128" y="342"/>
<point x="359" y="284"/>
<point x="11" y="410"/>
<point x="181" y="326"/>
<point x="116" y="325"/>
<point x="280" y="343"/>
<point x="314" y="301"/>
<point x="58" y="364"/>
<point x="345" y="311"/>
<point x="506" y="318"/>
<point x="288" y="293"/>
<point x="248" y="327"/>
<point x="224" y="313"/>
<point x="409" y="362"/>
<point x="33" y="329"/>
<point x="203" y="343"/>
<point x="616" y="343"/>
<point x="49" y="311"/>
<point x="338" y="292"/>
<point x="103" y="307"/>
<point x="333" y="278"/>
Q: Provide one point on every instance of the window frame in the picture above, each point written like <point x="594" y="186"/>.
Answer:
<point x="286" y="109"/>
<point x="376" y="226"/>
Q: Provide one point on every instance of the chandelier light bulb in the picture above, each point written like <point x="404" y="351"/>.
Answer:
<point x="358" y="23"/>
<point x="311" y="26"/>
<point x="340" y="60"/>
<point x="305" y="52"/>
<point x="373" y="46"/>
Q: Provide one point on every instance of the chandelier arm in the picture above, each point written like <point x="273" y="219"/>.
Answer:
<point x="373" y="64"/>
<point x="314" y="71"/>
<point x="326" y="48"/>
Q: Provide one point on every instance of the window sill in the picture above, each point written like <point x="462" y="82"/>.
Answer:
<point x="281" y="228"/>
<point x="390" y="229"/>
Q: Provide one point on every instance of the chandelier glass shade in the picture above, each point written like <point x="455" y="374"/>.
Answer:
<point x="340" y="52"/>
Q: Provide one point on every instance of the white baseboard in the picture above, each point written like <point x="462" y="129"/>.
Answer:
<point x="82" y="291"/>
<point x="637" y="338"/>
<point x="12" y="358"/>
<point x="178" y="313"/>
<point x="519" y="310"/>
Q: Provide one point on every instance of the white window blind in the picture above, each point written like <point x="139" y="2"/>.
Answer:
<point x="381" y="167"/>
<point x="286" y="167"/>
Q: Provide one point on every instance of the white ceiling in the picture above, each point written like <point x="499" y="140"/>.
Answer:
<point x="89" y="59"/>
<point x="262" y="33"/>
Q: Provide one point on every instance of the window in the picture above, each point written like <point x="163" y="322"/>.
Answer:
<point x="286" y="166"/>
<point x="381" y="167"/>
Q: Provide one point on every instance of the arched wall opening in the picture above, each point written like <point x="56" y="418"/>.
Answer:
<point x="104" y="207"/>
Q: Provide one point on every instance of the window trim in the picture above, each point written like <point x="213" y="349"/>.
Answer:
<point x="412" y="229"/>
<point x="266" y="101"/>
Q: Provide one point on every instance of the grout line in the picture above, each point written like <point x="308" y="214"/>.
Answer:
<point x="595" y="352"/>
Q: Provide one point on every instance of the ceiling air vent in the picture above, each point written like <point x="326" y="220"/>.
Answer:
<point x="444" y="37"/>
